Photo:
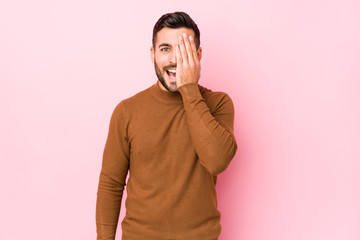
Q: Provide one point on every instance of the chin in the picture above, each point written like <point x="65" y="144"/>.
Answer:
<point x="171" y="87"/>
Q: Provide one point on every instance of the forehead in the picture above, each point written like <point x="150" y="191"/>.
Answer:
<point x="171" y="35"/>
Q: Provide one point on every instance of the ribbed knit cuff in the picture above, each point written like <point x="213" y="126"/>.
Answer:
<point x="190" y="91"/>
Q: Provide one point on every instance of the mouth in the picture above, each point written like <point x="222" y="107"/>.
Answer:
<point x="171" y="73"/>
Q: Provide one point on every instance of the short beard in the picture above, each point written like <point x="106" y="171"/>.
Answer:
<point x="161" y="78"/>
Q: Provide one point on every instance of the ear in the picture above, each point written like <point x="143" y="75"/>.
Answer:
<point x="199" y="53"/>
<point x="152" y="53"/>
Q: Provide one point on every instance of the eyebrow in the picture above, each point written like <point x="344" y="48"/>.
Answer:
<point x="164" y="45"/>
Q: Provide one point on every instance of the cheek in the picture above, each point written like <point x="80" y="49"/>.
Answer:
<point x="161" y="59"/>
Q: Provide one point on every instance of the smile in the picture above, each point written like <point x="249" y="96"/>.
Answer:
<point x="171" y="73"/>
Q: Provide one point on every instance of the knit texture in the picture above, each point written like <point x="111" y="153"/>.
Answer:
<point x="173" y="145"/>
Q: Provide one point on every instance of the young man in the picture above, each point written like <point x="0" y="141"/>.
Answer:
<point x="173" y="138"/>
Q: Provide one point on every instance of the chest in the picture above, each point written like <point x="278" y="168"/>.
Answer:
<point x="160" y="132"/>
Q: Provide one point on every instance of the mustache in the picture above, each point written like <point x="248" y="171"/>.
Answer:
<point x="170" y="66"/>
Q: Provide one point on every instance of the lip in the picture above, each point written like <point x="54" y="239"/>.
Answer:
<point x="171" y="79"/>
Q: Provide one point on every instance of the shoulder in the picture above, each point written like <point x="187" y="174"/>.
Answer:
<point x="132" y="103"/>
<point x="215" y="99"/>
<point x="140" y="97"/>
<point x="209" y="94"/>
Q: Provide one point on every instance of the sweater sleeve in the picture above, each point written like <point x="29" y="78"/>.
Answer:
<point x="211" y="133"/>
<point x="113" y="174"/>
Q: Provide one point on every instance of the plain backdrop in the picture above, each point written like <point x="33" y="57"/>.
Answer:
<point x="292" y="69"/>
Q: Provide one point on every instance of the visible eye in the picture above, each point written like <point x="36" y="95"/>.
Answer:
<point x="165" y="49"/>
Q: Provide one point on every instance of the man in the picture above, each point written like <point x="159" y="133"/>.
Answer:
<point x="173" y="138"/>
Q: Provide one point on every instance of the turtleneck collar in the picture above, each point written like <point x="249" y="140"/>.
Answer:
<point x="165" y="96"/>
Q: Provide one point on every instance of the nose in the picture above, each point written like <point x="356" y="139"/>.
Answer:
<point x="173" y="57"/>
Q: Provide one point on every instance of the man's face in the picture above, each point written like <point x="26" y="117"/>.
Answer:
<point x="164" y="58"/>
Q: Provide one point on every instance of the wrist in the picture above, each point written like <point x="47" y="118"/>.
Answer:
<point x="189" y="91"/>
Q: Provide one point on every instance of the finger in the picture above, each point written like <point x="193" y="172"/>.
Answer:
<point x="189" y="51"/>
<point x="179" y="60"/>
<point x="194" y="50"/>
<point x="183" y="53"/>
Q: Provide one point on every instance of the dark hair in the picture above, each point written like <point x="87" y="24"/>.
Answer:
<point x="176" y="20"/>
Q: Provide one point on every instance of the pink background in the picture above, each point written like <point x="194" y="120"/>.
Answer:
<point x="292" y="69"/>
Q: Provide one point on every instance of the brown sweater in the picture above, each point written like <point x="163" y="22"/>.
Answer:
<point x="173" y="145"/>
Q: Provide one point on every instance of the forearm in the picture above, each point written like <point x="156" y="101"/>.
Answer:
<point x="214" y="143"/>
<point x="108" y="205"/>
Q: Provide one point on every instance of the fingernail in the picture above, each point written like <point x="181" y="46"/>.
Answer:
<point x="184" y="34"/>
<point x="190" y="37"/>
